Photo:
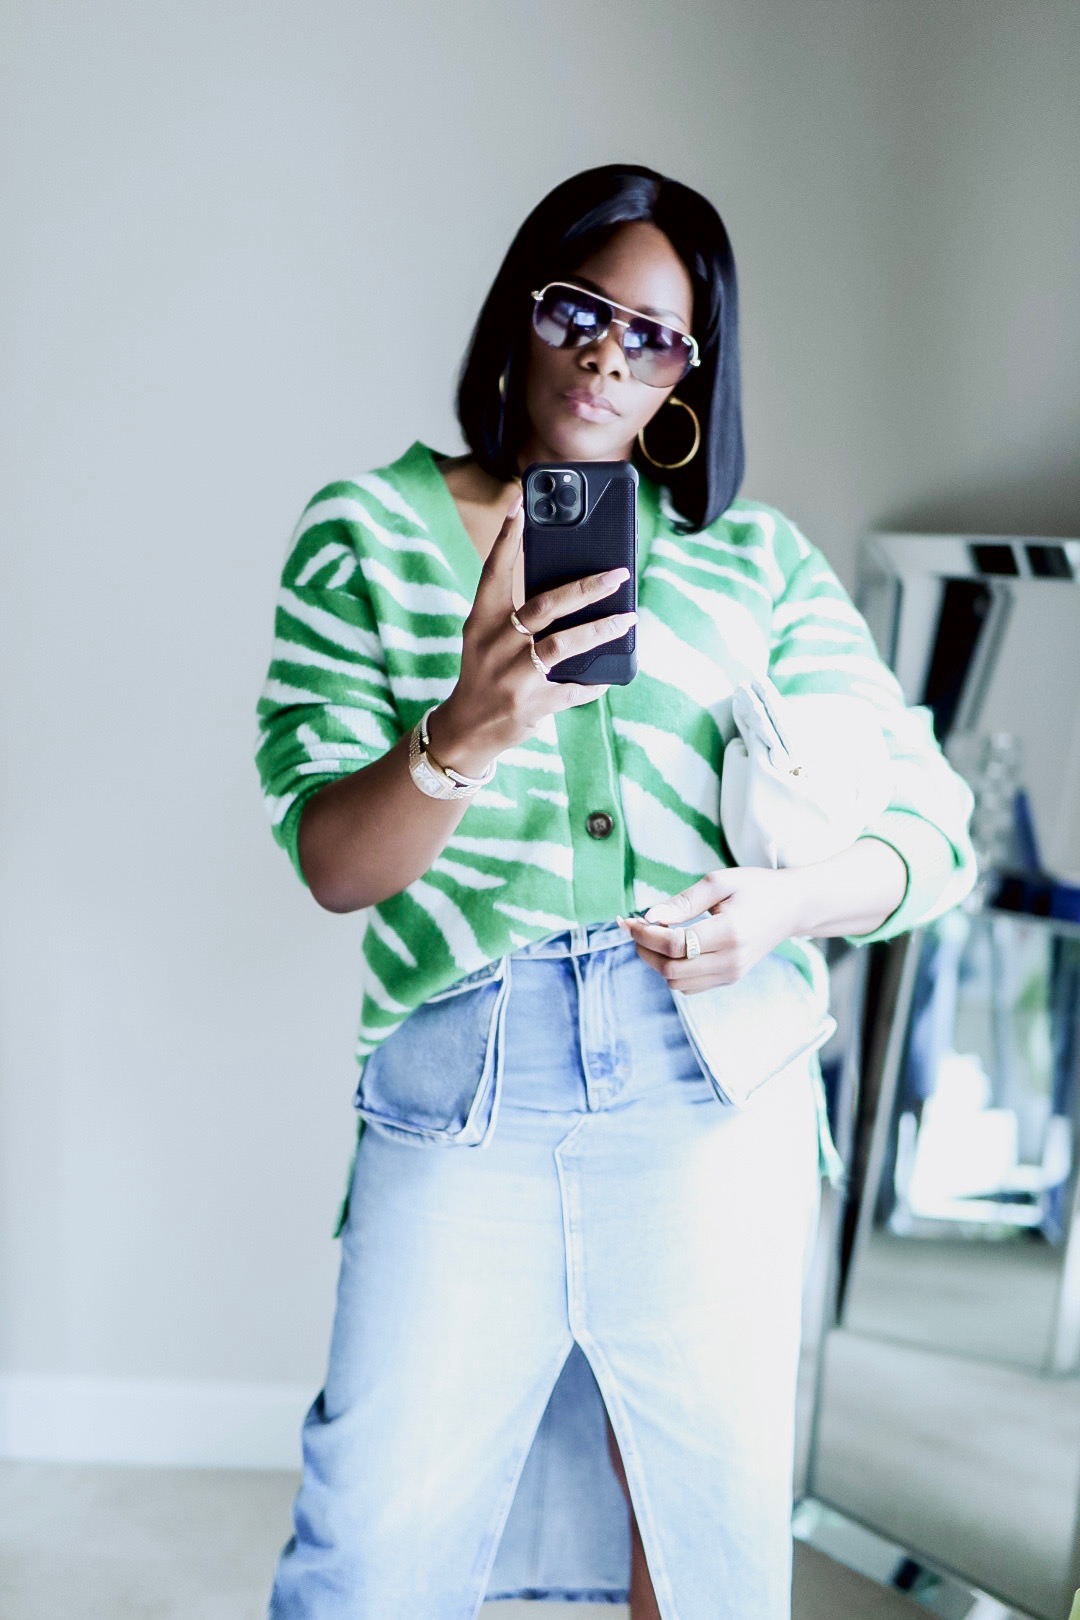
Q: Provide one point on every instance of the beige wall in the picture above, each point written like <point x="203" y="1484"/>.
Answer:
<point x="205" y="208"/>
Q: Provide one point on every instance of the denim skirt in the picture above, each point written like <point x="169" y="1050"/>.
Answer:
<point x="558" y="1215"/>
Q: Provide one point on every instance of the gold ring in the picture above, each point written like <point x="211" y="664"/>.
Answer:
<point x="693" y="944"/>
<point x="517" y="624"/>
<point x="537" y="660"/>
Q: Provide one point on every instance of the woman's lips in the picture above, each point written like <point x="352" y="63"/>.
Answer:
<point x="588" y="408"/>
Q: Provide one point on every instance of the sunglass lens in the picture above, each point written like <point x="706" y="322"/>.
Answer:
<point x="567" y="320"/>
<point x="655" y="353"/>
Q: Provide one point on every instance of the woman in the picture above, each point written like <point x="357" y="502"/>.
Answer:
<point x="565" y="1365"/>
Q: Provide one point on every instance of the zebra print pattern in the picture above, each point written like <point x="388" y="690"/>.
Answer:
<point x="378" y="578"/>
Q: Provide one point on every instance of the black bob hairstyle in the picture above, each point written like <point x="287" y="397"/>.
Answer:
<point x="570" y="223"/>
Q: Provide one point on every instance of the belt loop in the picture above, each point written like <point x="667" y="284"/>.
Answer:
<point x="579" y="939"/>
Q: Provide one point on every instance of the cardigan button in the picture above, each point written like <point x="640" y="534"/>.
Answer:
<point x="599" y="824"/>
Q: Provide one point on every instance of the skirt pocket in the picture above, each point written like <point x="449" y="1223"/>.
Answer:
<point x="744" y="1033"/>
<point x="435" y="1079"/>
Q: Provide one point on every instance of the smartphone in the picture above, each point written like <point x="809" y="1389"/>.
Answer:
<point x="581" y="518"/>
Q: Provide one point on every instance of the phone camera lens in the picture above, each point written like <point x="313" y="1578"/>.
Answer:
<point x="566" y="496"/>
<point x="545" y="509"/>
<point x="544" y="483"/>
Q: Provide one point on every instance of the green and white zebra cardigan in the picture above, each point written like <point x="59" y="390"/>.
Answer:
<point x="378" y="578"/>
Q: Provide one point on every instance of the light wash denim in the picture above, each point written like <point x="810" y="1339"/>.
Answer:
<point x="615" y="1233"/>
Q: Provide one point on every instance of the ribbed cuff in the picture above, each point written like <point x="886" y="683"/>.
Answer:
<point x="931" y="864"/>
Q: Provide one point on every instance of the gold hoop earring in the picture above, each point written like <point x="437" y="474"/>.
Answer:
<point x="502" y="385"/>
<point x="668" y="465"/>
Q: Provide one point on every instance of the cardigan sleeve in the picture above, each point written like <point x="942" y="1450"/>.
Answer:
<point x="325" y="708"/>
<point x="821" y="643"/>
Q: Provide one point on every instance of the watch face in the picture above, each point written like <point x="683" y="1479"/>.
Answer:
<point x="434" y="781"/>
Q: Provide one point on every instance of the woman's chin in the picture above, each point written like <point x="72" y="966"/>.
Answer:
<point x="573" y="439"/>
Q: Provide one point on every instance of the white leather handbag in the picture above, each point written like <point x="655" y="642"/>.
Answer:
<point x="803" y="777"/>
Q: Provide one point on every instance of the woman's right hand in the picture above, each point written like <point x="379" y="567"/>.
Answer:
<point x="500" y="696"/>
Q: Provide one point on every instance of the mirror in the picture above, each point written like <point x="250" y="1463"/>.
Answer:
<point x="947" y="1404"/>
<point x="963" y="1236"/>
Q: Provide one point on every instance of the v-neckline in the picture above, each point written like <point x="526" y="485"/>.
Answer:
<point x="462" y="554"/>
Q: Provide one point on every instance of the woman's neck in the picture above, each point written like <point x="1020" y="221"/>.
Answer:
<point x="481" y="500"/>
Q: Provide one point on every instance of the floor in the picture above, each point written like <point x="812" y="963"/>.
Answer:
<point x="125" y="1543"/>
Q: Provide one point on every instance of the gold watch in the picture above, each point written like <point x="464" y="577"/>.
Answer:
<point x="436" y="780"/>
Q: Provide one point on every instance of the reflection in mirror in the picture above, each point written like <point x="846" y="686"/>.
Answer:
<point x="969" y="1207"/>
<point x="995" y="659"/>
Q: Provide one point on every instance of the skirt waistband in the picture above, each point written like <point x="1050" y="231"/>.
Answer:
<point x="580" y="940"/>
<point x="584" y="938"/>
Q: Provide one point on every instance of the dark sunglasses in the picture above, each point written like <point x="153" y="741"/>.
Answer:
<point x="570" y="317"/>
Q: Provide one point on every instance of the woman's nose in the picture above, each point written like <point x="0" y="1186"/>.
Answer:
<point x="607" y="354"/>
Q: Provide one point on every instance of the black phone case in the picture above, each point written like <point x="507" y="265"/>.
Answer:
<point x="605" y="536"/>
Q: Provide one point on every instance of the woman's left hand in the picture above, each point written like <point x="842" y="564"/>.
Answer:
<point x="752" y="909"/>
